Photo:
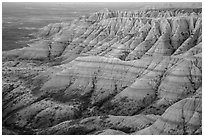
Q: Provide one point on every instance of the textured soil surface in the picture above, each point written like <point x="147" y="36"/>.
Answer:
<point x="109" y="73"/>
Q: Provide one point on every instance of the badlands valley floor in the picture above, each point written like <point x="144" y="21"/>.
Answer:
<point x="111" y="72"/>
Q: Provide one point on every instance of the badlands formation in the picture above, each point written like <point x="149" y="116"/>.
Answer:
<point x="110" y="72"/>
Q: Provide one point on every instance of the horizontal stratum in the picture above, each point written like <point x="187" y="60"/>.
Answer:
<point x="112" y="72"/>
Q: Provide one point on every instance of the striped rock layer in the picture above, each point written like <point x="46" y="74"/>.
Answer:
<point x="142" y="70"/>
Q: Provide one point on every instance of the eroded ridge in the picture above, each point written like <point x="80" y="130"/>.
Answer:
<point x="108" y="73"/>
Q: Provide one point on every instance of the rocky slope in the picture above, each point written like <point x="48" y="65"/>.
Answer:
<point x="110" y="72"/>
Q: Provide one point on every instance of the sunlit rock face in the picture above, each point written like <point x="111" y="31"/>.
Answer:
<point x="114" y="73"/>
<point x="183" y="117"/>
